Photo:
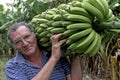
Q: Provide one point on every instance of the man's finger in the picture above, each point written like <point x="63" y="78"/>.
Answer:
<point x="55" y="38"/>
<point x="62" y="41"/>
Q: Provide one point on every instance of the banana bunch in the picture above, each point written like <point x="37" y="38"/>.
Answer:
<point x="47" y="24"/>
<point x="75" y="20"/>
<point x="99" y="9"/>
<point x="85" y="41"/>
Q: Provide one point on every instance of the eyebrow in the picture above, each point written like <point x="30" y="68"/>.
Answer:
<point x="24" y="36"/>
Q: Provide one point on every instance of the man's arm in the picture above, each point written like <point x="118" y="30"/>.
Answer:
<point x="76" y="73"/>
<point x="46" y="71"/>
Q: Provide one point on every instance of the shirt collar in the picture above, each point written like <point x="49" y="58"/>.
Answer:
<point x="20" y="58"/>
<point x="45" y="53"/>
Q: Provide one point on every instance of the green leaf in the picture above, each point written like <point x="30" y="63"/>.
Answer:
<point x="29" y="1"/>
<point x="1" y="7"/>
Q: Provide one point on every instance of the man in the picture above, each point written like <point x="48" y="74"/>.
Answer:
<point x="31" y="61"/>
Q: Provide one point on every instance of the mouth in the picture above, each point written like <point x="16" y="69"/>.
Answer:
<point x="27" y="49"/>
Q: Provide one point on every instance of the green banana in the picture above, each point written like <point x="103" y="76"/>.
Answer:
<point x="66" y="23"/>
<point x="57" y="17"/>
<point x="62" y="11"/>
<point x="80" y="51"/>
<point x="49" y="28"/>
<point x="69" y="42"/>
<point x="57" y="23"/>
<point x="38" y="29"/>
<point x="43" y="26"/>
<point x="78" y="18"/>
<point x="36" y="34"/>
<point x="61" y="23"/>
<point x="93" y="10"/>
<point x="43" y="34"/>
<point x="51" y="12"/>
<point x="87" y="41"/>
<point x="63" y="6"/>
<point x="106" y="6"/>
<point x="49" y="23"/>
<point x="74" y="44"/>
<point x="37" y="16"/>
<point x="92" y="46"/>
<point x="98" y="5"/>
<point x="79" y="26"/>
<point x="102" y="6"/>
<point x="44" y="40"/>
<point x="110" y="13"/>
<point x="57" y="30"/>
<point x="97" y="47"/>
<point x="113" y="17"/>
<point x="80" y="34"/>
<point x="55" y="10"/>
<point x="69" y="32"/>
<point x="39" y="20"/>
<point x="78" y="11"/>
<point x="76" y="4"/>
<point x="48" y="16"/>
<point x="49" y="35"/>
<point x="43" y="14"/>
<point x="47" y="44"/>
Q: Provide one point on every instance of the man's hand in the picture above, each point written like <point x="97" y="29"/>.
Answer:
<point x="56" y="46"/>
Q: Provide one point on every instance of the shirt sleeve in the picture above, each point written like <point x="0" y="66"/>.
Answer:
<point x="14" y="72"/>
<point x="66" y="65"/>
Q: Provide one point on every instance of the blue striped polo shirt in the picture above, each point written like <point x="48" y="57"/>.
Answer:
<point x="18" y="68"/>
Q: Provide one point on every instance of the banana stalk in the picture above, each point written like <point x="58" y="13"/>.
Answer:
<point x="99" y="27"/>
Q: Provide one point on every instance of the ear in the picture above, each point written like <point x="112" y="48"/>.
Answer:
<point x="14" y="47"/>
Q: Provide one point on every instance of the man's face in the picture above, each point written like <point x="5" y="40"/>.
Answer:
<point x="24" y="40"/>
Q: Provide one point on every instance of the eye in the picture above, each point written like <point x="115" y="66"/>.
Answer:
<point x="27" y="37"/>
<point x="18" y="42"/>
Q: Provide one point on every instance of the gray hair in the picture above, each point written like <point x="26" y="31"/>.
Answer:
<point x="16" y="26"/>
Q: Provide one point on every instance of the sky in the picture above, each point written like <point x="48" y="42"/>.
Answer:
<point x="3" y="2"/>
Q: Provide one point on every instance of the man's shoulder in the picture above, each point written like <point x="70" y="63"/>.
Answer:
<point x="11" y="62"/>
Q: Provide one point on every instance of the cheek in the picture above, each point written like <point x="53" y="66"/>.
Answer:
<point x="19" y="49"/>
<point x="34" y="41"/>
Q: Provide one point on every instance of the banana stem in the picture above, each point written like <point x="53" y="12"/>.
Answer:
<point x="99" y="27"/>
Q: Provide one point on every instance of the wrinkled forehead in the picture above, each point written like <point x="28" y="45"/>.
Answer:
<point x="19" y="32"/>
<point x="20" y="28"/>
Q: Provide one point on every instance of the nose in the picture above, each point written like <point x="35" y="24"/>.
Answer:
<point x="24" y="43"/>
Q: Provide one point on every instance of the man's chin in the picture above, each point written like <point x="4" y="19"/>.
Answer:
<point x="28" y="53"/>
